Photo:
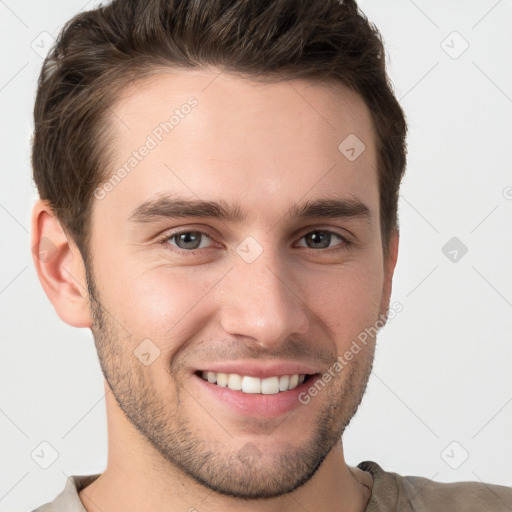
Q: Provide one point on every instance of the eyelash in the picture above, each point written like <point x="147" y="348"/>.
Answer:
<point x="344" y="245"/>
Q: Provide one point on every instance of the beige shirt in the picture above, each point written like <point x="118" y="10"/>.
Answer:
<point x="391" y="492"/>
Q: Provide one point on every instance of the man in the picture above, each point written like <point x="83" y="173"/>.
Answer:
<point x="219" y="185"/>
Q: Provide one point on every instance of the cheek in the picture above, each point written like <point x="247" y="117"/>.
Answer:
<point x="347" y="300"/>
<point x="162" y="303"/>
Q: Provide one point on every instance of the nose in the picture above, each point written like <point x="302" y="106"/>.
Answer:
<point x="262" y="302"/>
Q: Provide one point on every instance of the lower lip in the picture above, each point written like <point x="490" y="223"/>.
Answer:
<point x="256" y="404"/>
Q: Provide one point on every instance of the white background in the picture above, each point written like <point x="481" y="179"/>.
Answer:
<point x="443" y="366"/>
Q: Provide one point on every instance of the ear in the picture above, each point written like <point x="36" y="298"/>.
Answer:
<point x="390" y="259"/>
<point x="60" y="267"/>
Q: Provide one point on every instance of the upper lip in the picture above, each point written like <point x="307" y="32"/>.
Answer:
<point x="261" y="369"/>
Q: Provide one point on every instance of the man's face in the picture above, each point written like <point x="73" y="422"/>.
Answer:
<point x="266" y="294"/>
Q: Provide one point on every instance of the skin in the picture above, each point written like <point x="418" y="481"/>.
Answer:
<point x="263" y="146"/>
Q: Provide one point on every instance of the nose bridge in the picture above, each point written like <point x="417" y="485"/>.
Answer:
<point x="259" y="303"/>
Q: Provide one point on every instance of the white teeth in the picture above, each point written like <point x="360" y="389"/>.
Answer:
<point x="270" y="386"/>
<point x="251" y="384"/>
<point x="234" y="382"/>
<point x="284" y="380"/>
<point x="222" y="379"/>
<point x="254" y="385"/>
<point x="294" y="381"/>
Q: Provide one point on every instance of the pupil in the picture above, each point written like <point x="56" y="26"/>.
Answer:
<point x="188" y="238"/>
<point x="320" y="237"/>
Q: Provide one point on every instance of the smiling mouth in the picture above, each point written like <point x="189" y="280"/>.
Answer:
<point x="254" y="385"/>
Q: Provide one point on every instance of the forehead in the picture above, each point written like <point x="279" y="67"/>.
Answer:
<point x="210" y="134"/>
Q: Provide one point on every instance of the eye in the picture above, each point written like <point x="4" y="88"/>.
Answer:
<point x="321" y="239"/>
<point x="186" y="241"/>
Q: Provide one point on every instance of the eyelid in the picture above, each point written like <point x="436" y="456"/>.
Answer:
<point x="344" y="240"/>
<point x="342" y="233"/>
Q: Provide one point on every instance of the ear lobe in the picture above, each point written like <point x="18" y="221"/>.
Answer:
<point x="59" y="266"/>
<point x="390" y="260"/>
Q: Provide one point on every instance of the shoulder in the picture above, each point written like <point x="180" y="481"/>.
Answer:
<point x="414" y="493"/>
<point x="68" y="500"/>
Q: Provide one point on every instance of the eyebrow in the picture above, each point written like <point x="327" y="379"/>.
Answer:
<point x="168" y="207"/>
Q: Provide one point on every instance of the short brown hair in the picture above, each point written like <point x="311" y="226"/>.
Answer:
<point x="99" y="52"/>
